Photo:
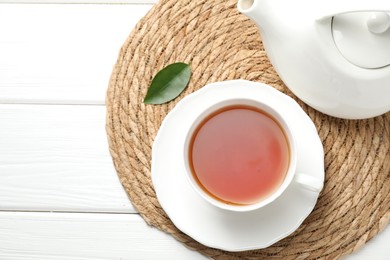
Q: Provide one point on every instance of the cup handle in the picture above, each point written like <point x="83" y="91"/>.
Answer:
<point x="309" y="182"/>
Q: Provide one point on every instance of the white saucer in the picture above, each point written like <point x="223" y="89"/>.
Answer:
<point x="211" y="226"/>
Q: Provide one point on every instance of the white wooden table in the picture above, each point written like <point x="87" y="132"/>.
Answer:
<point x="60" y="197"/>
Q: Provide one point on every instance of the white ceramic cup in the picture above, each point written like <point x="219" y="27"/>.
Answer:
<point x="306" y="181"/>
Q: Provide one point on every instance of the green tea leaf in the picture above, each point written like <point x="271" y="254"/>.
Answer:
<point x="168" y="83"/>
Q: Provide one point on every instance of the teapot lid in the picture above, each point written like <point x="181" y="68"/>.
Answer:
<point x="363" y="38"/>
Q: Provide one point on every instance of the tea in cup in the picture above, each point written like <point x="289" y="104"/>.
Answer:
<point x="240" y="155"/>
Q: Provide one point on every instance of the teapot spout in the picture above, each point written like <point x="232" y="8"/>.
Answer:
<point x="245" y="5"/>
<point x="255" y="10"/>
<point x="248" y="8"/>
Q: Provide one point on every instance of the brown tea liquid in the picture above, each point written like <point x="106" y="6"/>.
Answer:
<point x="239" y="155"/>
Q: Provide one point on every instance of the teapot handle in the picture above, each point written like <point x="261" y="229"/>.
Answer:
<point x="331" y="8"/>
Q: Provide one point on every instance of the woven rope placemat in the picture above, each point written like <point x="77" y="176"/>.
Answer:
<point x="222" y="44"/>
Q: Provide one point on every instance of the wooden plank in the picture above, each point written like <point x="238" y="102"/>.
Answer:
<point x="57" y="236"/>
<point x="80" y="1"/>
<point x="56" y="158"/>
<point x="61" y="54"/>
<point x="377" y="248"/>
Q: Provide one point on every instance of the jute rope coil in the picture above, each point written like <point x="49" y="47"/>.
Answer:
<point x="221" y="44"/>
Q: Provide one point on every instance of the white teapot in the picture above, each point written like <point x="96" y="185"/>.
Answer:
<point x="334" y="55"/>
